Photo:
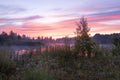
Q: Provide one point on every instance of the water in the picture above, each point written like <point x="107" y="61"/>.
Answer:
<point x="27" y="49"/>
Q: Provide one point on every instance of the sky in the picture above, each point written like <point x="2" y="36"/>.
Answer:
<point x="58" y="18"/>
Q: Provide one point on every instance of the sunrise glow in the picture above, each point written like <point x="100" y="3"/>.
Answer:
<point x="57" y="18"/>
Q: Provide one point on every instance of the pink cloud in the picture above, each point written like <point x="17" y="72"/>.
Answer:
<point x="63" y="28"/>
<point x="104" y="18"/>
<point x="37" y="26"/>
<point x="70" y="25"/>
<point x="103" y="28"/>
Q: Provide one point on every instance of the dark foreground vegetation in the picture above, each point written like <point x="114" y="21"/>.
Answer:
<point x="84" y="61"/>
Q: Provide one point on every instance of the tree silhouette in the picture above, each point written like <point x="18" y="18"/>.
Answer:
<point x="83" y="43"/>
<point x="3" y="38"/>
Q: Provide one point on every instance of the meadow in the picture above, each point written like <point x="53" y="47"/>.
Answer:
<point x="59" y="63"/>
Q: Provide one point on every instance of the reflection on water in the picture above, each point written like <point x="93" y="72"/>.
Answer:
<point x="35" y="49"/>
<point x="23" y="50"/>
<point x="22" y="53"/>
<point x="20" y="50"/>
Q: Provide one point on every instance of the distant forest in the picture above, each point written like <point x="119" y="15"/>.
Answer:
<point x="15" y="39"/>
<point x="106" y="38"/>
<point x="98" y="38"/>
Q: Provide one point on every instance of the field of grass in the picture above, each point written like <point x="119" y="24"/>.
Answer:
<point x="59" y="63"/>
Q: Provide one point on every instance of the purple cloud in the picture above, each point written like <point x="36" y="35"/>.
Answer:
<point x="6" y="22"/>
<point x="108" y="13"/>
<point x="21" y="19"/>
<point x="8" y="9"/>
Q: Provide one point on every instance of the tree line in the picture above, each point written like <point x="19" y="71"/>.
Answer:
<point x="15" y="39"/>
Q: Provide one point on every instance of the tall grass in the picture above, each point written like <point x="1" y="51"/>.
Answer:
<point x="7" y="65"/>
<point x="60" y="63"/>
<point x="102" y="66"/>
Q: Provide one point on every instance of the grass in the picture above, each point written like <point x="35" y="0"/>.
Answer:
<point x="60" y="63"/>
<point x="7" y="65"/>
<point x="37" y="74"/>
